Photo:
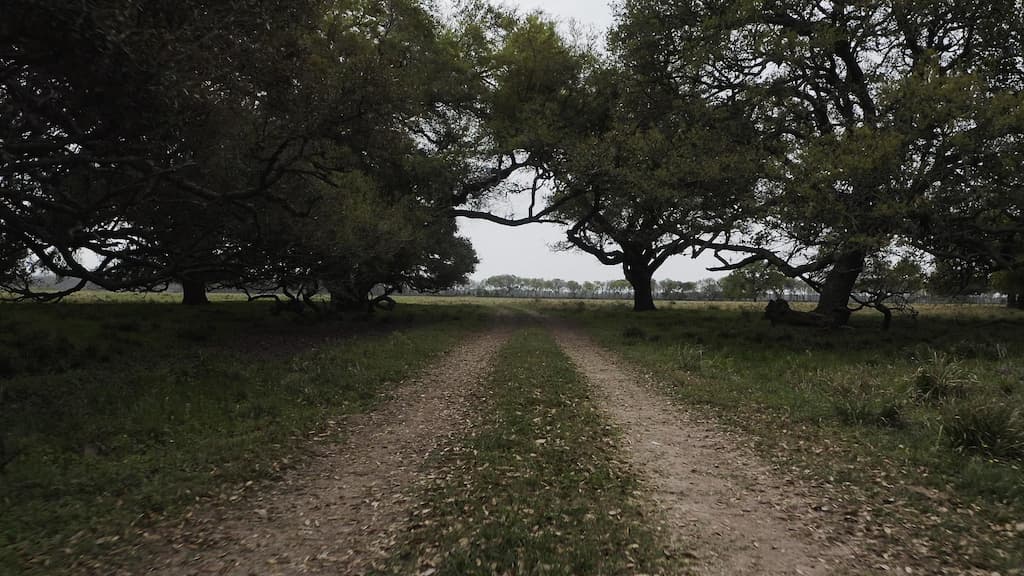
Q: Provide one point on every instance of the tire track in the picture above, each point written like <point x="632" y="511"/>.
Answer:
<point x="340" y="513"/>
<point x="726" y="510"/>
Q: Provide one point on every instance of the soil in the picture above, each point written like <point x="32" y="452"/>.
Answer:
<point x="724" y="509"/>
<point x="341" y="511"/>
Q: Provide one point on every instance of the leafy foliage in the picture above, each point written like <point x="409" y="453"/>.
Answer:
<point x="886" y="118"/>
<point x="183" y="143"/>
<point x="120" y="114"/>
<point x="754" y="281"/>
<point x="356" y="239"/>
<point x="660" y="173"/>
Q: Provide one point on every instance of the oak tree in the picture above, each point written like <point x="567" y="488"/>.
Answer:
<point x="878" y="108"/>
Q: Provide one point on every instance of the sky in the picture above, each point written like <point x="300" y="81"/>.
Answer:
<point x="525" y="251"/>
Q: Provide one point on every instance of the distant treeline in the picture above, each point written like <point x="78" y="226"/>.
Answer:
<point x="729" y="288"/>
<point x="706" y="289"/>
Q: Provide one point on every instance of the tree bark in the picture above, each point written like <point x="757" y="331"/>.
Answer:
<point x="835" y="292"/>
<point x="886" y="316"/>
<point x="640" y="275"/>
<point x="193" y="293"/>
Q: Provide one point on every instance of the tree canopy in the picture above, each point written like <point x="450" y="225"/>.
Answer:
<point x="657" y="174"/>
<point x="325" y="146"/>
<point x="886" y="115"/>
<point x="256" y="144"/>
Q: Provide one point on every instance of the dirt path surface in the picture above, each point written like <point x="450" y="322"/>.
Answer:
<point x="726" y="511"/>
<point x="340" y="512"/>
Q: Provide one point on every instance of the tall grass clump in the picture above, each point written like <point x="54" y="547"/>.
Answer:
<point x="861" y="400"/>
<point x="690" y="357"/>
<point x="941" y="377"/>
<point x="992" y="428"/>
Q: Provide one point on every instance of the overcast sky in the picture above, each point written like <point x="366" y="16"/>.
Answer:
<point x="525" y="251"/>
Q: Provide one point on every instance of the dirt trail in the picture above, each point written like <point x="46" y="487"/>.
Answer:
<point x="726" y="510"/>
<point x="340" y="512"/>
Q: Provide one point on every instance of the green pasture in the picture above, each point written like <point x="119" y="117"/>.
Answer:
<point x="929" y="415"/>
<point x="117" y="411"/>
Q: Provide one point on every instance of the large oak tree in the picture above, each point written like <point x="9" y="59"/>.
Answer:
<point x="881" y="109"/>
<point x="663" y="175"/>
<point x="187" y="142"/>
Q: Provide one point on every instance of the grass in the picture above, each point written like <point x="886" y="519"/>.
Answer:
<point x="936" y="403"/>
<point x="537" y="488"/>
<point x="116" y="414"/>
<point x="120" y="412"/>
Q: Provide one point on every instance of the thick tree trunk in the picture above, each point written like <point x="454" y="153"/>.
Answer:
<point x="351" y="299"/>
<point x="1014" y="300"/>
<point x="193" y="293"/>
<point x="835" y="292"/>
<point x="886" y="316"/>
<point x="640" y="277"/>
<point x="347" y="303"/>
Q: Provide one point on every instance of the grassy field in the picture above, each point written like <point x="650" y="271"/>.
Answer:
<point x="925" y="422"/>
<point x="117" y="411"/>
<point x="537" y="489"/>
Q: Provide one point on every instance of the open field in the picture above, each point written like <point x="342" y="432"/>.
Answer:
<point x="923" y="425"/>
<point x="116" y="413"/>
<point x="119" y="415"/>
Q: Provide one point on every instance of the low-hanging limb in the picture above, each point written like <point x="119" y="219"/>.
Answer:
<point x="533" y="216"/>
<point x="759" y="254"/>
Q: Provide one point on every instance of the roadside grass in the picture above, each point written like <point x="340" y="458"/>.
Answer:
<point x="116" y="414"/>
<point x="537" y="488"/>
<point x="926" y="420"/>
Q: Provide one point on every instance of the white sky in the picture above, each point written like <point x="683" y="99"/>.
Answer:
<point x="525" y="251"/>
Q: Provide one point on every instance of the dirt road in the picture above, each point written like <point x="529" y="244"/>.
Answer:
<point x="726" y="511"/>
<point x="340" y="512"/>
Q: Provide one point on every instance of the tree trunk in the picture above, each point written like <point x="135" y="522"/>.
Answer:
<point x="1014" y="300"/>
<point x="193" y="293"/>
<point x="886" y="316"/>
<point x="351" y="298"/>
<point x="640" y="277"/>
<point x="835" y="292"/>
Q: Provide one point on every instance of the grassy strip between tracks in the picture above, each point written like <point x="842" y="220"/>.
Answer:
<point x="537" y="487"/>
